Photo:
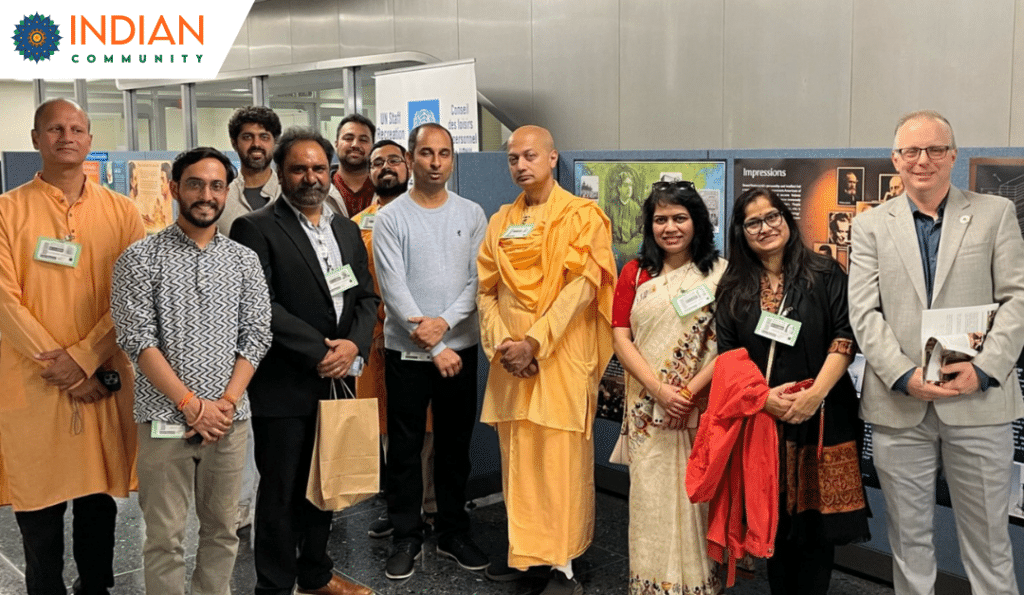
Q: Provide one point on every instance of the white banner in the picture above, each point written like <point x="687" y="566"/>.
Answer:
<point x="443" y="93"/>
<point x="119" y="39"/>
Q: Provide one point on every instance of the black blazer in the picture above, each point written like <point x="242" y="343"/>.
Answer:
<point x="286" y="383"/>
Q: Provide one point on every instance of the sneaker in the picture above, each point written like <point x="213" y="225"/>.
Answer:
<point x="503" y="573"/>
<point x="381" y="527"/>
<point x="402" y="562"/>
<point x="559" y="584"/>
<point x="462" y="549"/>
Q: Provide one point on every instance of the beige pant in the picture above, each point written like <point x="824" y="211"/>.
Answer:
<point x="172" y="472"/>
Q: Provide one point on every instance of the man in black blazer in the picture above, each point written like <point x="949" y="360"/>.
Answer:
<point x="324" y="309"/>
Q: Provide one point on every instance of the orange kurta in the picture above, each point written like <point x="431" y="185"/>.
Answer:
<point x="370" y="385"/>
<point x="556" y="286"/>
<point x="54" y="449"/>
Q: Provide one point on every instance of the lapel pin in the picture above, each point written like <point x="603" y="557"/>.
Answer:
<point x="965" y="219"/>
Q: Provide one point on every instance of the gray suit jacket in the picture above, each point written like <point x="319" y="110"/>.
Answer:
<point x="980" y="261"/>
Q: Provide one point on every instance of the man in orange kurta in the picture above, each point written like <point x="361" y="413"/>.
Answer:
<point x="547" y="277"/>
<point x="64" y="433"/>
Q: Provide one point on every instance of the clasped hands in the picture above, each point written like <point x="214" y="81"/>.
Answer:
<point x="338" y="361"/>
<point x="64" y="373"/>
<point x="210" y="419"/>
<point x="793" y="408"/>
<point x="427" y="334"/>
<point x="677" y="407"/>
<point x="964" y="382"/>
<point x="517" y="357"/>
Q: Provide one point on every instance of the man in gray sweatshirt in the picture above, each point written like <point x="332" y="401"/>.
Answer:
<point x="425" y="244"/>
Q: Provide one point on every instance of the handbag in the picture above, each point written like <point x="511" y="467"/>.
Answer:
<point x="345" y="468"/>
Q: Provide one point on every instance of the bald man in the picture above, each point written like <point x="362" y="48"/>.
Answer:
<point x="66" y="407"/>
<point x="547" y="276"/>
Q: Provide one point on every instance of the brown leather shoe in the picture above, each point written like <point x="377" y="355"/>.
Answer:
<point x="337" y="586"/>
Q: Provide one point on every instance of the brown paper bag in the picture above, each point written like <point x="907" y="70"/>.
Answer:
<point x="345" y="469"/>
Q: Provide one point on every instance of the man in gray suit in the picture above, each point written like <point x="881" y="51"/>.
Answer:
<point x="936" y="246"/>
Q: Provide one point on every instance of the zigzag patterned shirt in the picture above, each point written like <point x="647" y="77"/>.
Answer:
<point x="199" y="307"/>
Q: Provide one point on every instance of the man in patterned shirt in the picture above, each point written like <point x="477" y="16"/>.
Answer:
<point x="192" y="310"/>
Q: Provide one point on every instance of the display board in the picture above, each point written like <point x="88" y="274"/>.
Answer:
<point x="620" y="188"/>
<point x="1004" y="176"/>
<point x="442" y="93"/>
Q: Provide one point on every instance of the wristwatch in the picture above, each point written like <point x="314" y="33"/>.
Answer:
<point x="110" y="379"/>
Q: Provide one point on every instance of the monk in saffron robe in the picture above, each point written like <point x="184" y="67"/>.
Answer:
<point x="547" y="278"/>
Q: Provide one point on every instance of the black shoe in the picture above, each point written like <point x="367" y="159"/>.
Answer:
<point x="402" y="562"/>
<point x="381" y="527"/>
<point x="76" y="589"/>
<point x="503" y="573"/>
<point x="559" y="584"/>
<point x="462" y="549"/>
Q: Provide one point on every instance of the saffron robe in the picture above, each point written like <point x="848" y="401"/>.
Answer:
<point x="555" y="286"/>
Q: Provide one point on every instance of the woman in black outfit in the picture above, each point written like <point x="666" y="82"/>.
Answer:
<point x="822" y="502"/>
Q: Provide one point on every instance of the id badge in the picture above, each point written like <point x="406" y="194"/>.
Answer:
<point x="690" y="301"/>
<point x="517" y="232"/>
<point x="778" y="328"/>
<point x="163" y="429"/>
<point x="56" y="251"/>
<point x="416" y="356"/>
<point x="366" y="223"/>
<point x="340" y="280"/>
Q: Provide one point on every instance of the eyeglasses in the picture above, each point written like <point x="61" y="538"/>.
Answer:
<point x="392" y="161"/>
<point x="664" y="185"/>
<point x="197" y="185"/>
<point x="911" y="153"/>
<point x="754" y="226"/>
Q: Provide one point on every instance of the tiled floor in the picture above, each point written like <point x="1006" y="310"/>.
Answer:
<point x="603" y="568"/>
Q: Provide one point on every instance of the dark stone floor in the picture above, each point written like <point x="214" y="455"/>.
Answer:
<point x="603" y="568"/>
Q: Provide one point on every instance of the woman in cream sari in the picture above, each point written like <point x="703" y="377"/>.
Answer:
<point x="664" y="336"/>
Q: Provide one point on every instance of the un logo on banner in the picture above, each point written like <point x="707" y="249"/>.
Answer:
<point x="424" y="112"/>
<point x="36" y="37"/>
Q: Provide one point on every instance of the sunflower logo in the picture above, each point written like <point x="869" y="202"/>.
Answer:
<point x="36" y="37"/>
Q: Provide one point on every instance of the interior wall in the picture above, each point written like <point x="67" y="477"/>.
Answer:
<point x="690" y="74"/>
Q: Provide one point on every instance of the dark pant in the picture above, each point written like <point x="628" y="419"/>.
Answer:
<point x="92" y="534"/>
<point x="412" y="387"/>
<point x="286" y="522"/>
<point x="799" y="566"/>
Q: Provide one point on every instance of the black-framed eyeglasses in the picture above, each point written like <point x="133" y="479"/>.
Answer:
<point x="754" y="226"/>
<point x="392" y="161"/>
<point x="936" y="152"/>
<point x="664" y="185"/>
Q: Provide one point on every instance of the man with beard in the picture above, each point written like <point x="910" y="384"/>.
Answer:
<point x="324" y="310"/>
<point x="355" y="135"/>
<point x="192" y="310"/>
<point x="254" y="131"/>
<point x="389" y="175"/>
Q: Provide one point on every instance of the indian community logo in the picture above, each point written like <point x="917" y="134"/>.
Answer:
<point x="36" y="37"/>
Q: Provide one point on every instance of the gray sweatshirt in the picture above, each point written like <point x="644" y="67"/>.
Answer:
<point x="426" y="266"/>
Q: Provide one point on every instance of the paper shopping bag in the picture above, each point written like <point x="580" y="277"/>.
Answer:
<point x="345" y="469"/>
